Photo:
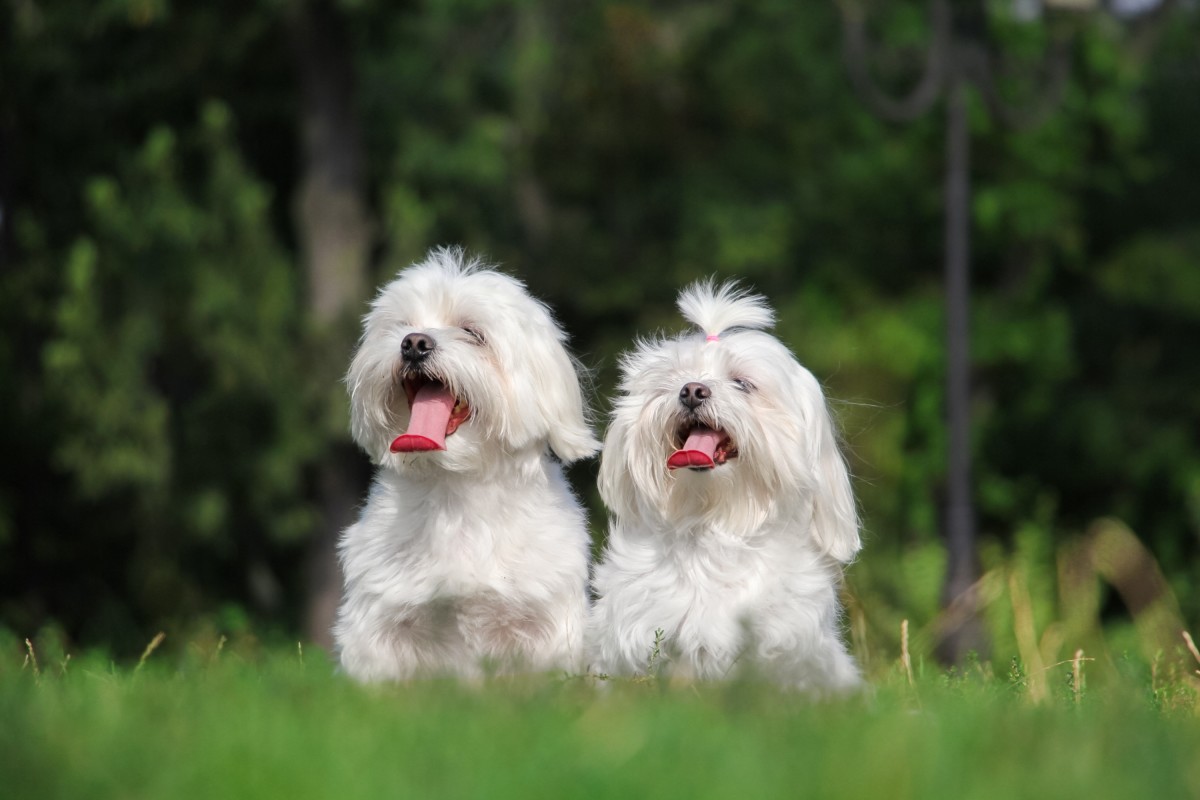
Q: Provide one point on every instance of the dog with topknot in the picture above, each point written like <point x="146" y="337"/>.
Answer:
<point x="731" y="505"/>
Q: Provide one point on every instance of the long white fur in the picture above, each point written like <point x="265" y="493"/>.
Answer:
<point x="473" y="558"/>
<point x="740" y="565"/>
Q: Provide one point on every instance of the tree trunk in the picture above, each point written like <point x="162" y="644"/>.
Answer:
<point x="7" y="140"/>
<point x="334" y="235"/>
<point x="964" y="632"/>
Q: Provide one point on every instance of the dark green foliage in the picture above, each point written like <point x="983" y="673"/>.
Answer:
<point x="171" y="376"/>
<point x="161" y="420"/>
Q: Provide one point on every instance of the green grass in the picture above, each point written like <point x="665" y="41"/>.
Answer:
<point x="281" y="727"/>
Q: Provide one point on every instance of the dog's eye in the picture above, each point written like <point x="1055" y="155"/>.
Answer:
<point x="474" y="333"/>
<point x="744" y="385"/>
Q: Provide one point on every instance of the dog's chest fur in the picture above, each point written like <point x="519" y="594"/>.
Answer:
<point x="712" y="595"/>
<point x="458" y="571"/>
<point x="458" y="537"/>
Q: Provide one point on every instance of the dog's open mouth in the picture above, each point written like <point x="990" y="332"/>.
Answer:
<point x="701" y="447"/>
<point x="434" y="414"/>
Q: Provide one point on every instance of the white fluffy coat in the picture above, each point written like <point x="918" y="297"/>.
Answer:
<point x="738" y="566"/>
<point x="473" y="558"/>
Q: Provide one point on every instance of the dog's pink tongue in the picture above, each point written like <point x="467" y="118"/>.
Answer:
<point x="697" y="451"/>
<point x="430" y="415"/>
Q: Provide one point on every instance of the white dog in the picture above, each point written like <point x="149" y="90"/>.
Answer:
<point x="732" y="509"/>
<point x="471" y="553"/>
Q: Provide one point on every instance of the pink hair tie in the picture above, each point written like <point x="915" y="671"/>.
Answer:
<point x="712" y="337"/>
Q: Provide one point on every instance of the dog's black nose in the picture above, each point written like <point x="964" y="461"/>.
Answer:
<point x="416" y="347"/>
<point x="693" y="394"/>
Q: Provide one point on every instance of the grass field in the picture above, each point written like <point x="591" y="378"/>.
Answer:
<point x="283" y="725"/>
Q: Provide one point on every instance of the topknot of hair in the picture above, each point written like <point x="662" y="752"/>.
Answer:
<point x="715" y="309"/>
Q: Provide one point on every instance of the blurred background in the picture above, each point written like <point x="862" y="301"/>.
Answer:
<point x="198" y="198"/>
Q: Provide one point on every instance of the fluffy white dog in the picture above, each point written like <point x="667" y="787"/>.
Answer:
<point x="471" y="552"/>
<point x="732" y="508"/>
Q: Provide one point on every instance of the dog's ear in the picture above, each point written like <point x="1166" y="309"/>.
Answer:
<point x="368" y="382"/>
<point x="615" y="480"/>
<point x="633" y="479"/>
<point x="560" y="400"/>
<point x="835" y="517"/>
